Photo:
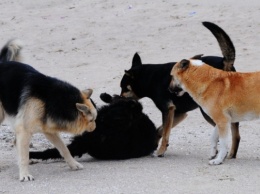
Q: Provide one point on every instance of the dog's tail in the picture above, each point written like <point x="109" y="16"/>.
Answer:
<point x="46" y="154"/>
<point x="225" y="43"/>
<point x="11" y="51"/>
<point x="78" y="147"/>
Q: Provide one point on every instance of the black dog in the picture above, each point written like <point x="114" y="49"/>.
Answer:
<point x="122" y="131"/>
<point x="152" y="81"/>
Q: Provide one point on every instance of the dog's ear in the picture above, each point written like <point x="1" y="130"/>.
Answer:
<point x="136" y="60"/>
<point x="184" y="64"/>
<point x="197" y="57"/>
<point x="87" y="92"/>
<point x="85" y="110"/>
<point x="106" y="98"/>
<point x="129" y="73"/>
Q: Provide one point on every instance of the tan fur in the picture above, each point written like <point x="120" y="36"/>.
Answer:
<point x="130" y="93"/>
<point x="32" y="115"/>
<point x="166" y="131"/>
<point x="227" y="97"/>
<point x="29" y="120"/>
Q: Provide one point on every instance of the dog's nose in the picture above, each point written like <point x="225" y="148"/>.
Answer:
<point x="176" y="90"/>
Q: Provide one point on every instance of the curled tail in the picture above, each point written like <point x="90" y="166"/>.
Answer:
<point x="11" y="51"/>
<point x="225" y="43"/>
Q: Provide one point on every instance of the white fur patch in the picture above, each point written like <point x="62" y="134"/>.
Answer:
<point x="196" y="62"/>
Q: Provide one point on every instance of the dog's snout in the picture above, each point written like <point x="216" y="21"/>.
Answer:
<point x="175" y="89"/>
<point x="92" y="126"/>
<point x="172" y="86"/>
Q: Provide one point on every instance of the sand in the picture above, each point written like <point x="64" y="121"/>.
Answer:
<point x="90" y="44"/>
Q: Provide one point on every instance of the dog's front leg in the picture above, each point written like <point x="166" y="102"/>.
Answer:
<point x="222" y="130"/>
<point x="167" y="125"/>
<point x="214" y="143"/>
<point x="55" y="139"/>
<point x="22" y="143"/>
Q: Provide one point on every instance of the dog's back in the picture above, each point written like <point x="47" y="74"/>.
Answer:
<point x="234" y="93"/>
<point x="20" y="82"/>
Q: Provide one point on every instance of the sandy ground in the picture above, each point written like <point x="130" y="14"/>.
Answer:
<point x="90" y="44"/>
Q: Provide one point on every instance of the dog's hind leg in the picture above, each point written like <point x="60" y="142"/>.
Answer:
<point x="23" y="138"/>
<point x="55" y="139"/>
<point x="235" y="135"/>
<point x="167" y="125"/>
<point x="235" y="140"/>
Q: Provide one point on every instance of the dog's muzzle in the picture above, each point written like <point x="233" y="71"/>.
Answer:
<point x="175" y="89"/>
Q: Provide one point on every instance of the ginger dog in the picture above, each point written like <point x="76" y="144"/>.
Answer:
<point x="227" y="97"/>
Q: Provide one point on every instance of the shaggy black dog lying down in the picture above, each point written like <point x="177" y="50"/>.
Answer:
<point x="122" y="131"/>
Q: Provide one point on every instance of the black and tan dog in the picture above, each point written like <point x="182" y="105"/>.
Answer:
<point x="123" y="131"/>
<point x="227" y="97"/>
<point x="39" y="103"/>
<point x="152" y="81"/>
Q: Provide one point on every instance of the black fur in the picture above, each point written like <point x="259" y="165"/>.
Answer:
<point x="122" y="131"/>
<point x="152" y="80"/>
<point x="19" y="82"/>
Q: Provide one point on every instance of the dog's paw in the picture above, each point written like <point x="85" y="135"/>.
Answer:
<point x="76" y="166"/>
<point x="161" y="152"/>
<point x="215" y="162"/>
<point x="26" y="177"/>
<point x="213" y="155"/>
<point x="160" y="155"/>
<point x="153" y="154"/>
<point x="231" y="156"/>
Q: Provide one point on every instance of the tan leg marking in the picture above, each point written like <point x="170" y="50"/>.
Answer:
<point x="177" y="119"/>
<point x="55" y="139"/>
<point x="166" y="131"/>
<point x="23" y="138"/>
